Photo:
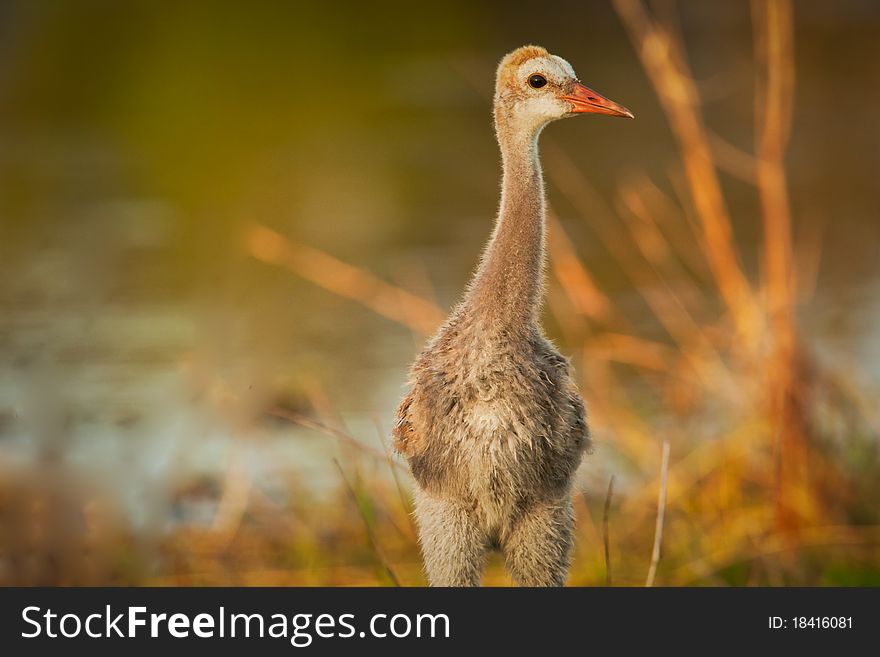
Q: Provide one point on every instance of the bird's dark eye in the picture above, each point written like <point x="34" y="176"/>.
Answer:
<point x="537" y="81"/>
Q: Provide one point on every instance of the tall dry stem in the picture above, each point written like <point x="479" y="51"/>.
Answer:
<point x="667" y="70"/>
<point x="774" y="92"/>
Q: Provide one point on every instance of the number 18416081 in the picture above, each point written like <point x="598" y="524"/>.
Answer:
<point x="810" y="622"/>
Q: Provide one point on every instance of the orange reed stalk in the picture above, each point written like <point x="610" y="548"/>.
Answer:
<point x="774" y="93"/>
<point x="346" y="280"/>
<point x="667" y="70"/>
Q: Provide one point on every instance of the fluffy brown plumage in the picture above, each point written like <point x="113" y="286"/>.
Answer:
<point x="493" y="427"/>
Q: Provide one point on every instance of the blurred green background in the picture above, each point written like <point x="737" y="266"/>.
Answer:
<point x="146" y="357"/>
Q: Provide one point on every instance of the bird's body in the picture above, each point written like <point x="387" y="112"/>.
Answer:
<point x="511" y="419"/>
<point x="494" y="427"/>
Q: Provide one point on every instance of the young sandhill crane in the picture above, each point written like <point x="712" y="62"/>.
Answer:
<point x="494" y="427"/>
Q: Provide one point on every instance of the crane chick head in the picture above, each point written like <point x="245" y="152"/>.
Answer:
<point x="533" y="88"/>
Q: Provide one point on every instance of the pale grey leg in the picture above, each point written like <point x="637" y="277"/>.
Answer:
<point x="453" y="546"/>
<point x="537" y="547"/>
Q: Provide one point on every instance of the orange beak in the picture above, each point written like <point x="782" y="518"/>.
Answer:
<point x="586" y="101"/>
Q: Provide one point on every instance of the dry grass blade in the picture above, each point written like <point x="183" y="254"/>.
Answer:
<point x="576" y="281"/>
<point x="733" y="160"/>
<point x="347" y="438"/>
<point x="632" y="350"/>
<point x="237" y="488"/>
<point x="392" y="466"/>
<point x="605" y="535"/>
<point x="661" y="513"/>
<point x="343" y="279"/>
<point x="377" y="549"/>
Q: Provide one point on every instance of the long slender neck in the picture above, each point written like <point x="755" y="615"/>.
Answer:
<point x="508" y="285"/>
